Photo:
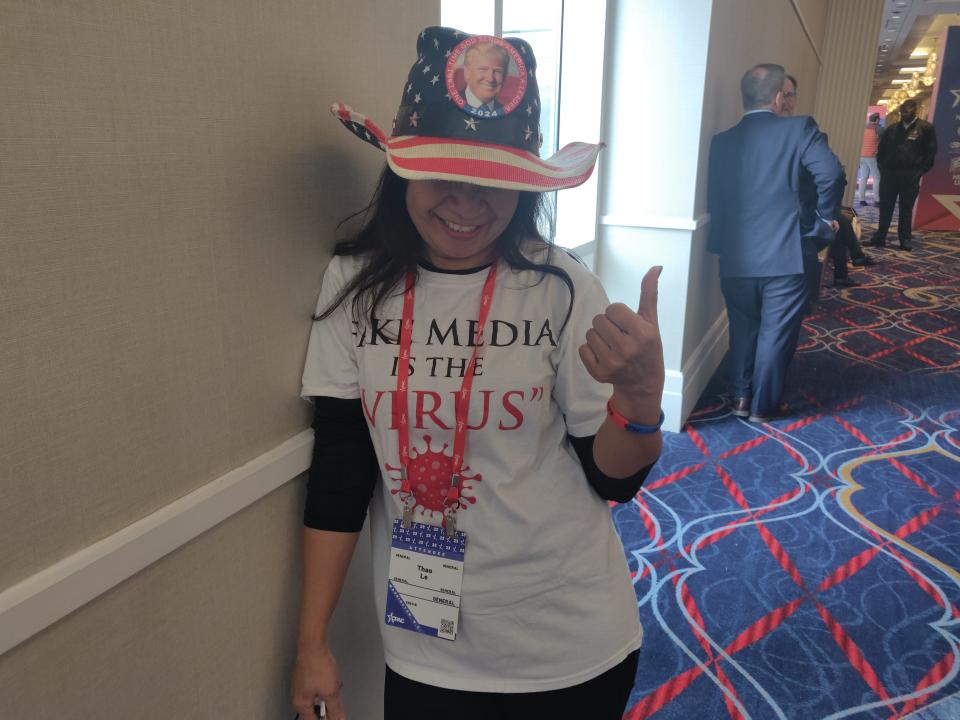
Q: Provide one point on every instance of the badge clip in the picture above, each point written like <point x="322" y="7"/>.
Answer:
<point x="408" y="504"/>
<point x="450" y="506"/>
<point x="450" y="521"/>
<point x="406" y="497"/>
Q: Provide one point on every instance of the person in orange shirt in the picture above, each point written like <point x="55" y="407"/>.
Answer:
<point x="868" y="159"/>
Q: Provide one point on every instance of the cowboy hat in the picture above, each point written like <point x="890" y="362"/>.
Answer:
<point x="470" y="112"/>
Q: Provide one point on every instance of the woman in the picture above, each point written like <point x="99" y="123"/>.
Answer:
<point x="469" y="363"/>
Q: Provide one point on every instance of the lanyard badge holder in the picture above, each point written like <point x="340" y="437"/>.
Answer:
<point x="426" y="561"/>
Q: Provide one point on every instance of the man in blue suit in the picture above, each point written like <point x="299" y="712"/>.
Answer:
<point x="755" y="226"/>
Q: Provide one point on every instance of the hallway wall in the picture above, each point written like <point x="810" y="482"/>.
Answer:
<point x="170" y="184"/>
<point x="850" y="51"/>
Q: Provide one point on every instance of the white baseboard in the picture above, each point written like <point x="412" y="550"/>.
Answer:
<point x="42" y="599"/>
<point x="683" y="387"/>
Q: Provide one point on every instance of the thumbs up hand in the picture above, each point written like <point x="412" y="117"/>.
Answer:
<point x="624" y="348"/>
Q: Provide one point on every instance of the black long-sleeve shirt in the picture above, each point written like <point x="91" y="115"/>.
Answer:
<point x="344" y="470"/>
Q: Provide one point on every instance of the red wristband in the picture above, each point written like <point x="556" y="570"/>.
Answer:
<point x="620" y="421"/>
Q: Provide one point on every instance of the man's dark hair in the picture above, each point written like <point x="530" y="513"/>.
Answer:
<point x="875" y="117"/>
<point x="908" y="103"/>
<point x="796" y="85"/>
<point x="760" y="85"/>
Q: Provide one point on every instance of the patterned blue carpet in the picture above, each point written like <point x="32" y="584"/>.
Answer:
<point x="810" y="567"/>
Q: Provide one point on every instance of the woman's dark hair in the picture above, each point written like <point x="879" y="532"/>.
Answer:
<point x="392" y="247"/>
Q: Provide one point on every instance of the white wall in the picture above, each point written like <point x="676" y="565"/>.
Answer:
<point x="648" y="189"/>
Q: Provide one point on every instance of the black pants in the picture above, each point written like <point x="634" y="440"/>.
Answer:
<point x="812" y="272"/>
<point x="603" y="698"/>
<point x="844" y="244"/>
<point x="905" y="186"/>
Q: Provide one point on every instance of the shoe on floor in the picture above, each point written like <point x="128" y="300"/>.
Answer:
<point x="863" y="203"/>
<point x="877" y="242"/>
<point x="846" y="282"/>
<point x="778" y="413"/>
<point x="906" y="247"/>
<point x="863" y="261"/>
<point x="740" y="406"/>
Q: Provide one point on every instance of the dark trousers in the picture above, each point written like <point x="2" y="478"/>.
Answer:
<point x="905" y="186"/>
<point x="602" y="698"/>
<point x="765" y="315"/>
<point x="812" y="272"/>
<point x="843" y="245"/>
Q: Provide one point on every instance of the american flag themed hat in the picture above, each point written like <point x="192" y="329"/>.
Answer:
<point x="470" y="112"/>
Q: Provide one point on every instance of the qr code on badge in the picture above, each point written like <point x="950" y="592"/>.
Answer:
<point x="447" y="627"/>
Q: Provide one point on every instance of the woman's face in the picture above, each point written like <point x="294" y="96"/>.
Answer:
<point x="459" y="222"/>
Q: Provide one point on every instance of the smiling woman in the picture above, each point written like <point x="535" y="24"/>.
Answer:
<point x="459" y="223"/>
<point x="449" y="358"/>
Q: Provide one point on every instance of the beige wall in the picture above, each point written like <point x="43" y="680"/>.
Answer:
<point x="169" y="184"/>
<point x="204" y="633"/>
<point x="849" y="54"/>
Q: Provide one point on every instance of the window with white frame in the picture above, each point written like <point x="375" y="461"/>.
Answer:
<point x="567" y="37"/>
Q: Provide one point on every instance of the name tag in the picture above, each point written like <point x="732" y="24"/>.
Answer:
<point x="426" y="574"/>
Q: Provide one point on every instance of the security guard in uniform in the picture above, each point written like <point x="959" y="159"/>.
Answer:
<point x="906" y="152"/>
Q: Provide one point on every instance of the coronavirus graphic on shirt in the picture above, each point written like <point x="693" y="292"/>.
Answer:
<point x="429" y="471"/>
<point x="442" y="354"/>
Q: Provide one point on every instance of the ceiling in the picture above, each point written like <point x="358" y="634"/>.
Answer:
<point x="908" y="25"/>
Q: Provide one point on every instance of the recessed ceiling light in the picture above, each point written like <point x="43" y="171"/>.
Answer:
<point x="913" y="69"/>
<point x="899" y="81"/>
<point x="920" y="53"/>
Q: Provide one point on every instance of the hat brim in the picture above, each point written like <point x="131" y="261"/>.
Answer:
<point x="416" y="157"/>
<point x="430" y="158"/>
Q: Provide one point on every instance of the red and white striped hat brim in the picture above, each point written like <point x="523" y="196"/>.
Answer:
<point x="432" y="158"/>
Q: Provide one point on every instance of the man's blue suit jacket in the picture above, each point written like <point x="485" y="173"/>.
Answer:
<point x="754" y="192"/>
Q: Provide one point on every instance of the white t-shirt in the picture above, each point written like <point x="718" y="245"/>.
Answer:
<point x="547" y="601"/>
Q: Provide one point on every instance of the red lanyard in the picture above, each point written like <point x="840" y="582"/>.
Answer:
<point x="461" y="406"/>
